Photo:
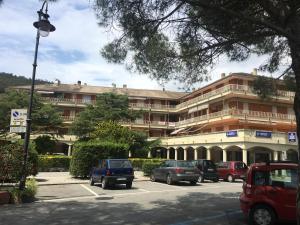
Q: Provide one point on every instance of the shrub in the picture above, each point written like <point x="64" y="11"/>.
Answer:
<point x="137" y="163"/>
<point x="26" y="195"/>
<point x="87" y="154"/>
<point x="54" y="163"/>
<point x="44" y="144"/>
<point x="11" y="158"/>
<point x="149" y="166"/>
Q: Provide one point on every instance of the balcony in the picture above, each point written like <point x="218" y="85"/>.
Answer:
<point x="231" y="88"/>
<point x="145" y="123"/>
<point x="68" y="101"/>
<point x="68" y="118"/>
<point x="241" y="114"/>
<point x="152" y="106"/>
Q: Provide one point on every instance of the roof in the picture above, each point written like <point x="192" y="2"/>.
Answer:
<point x="87" y="89"/>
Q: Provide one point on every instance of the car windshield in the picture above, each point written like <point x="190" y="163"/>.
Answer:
<point x="120" y="164"/>
<point x="240" y="165"/>
<point x="184" y="164"/>
<point x="209" y="164"/>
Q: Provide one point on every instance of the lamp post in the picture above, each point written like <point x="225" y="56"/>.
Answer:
<point x="44" y="27"/>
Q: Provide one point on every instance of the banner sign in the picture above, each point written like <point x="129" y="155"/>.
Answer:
<point x="263" y="134"/>
<point x="232" y="133"/>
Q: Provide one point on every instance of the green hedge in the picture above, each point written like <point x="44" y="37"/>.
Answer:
<point x="87" y="154"/>
<point x="137" y="163"/>
<point x="149" y="166"/>
<point x="11" y="158"/>
<point x="54" y="163"/>
<point x="26" y="195"/>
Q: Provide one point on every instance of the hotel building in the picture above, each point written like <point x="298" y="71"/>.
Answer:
<point x="222" y="121"/>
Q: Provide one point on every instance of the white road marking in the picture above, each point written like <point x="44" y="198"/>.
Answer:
<point x="65" y="199"/>
<point x="85" y="187"/>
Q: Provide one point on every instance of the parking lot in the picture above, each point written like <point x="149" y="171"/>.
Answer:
<point x="146" y="203"/>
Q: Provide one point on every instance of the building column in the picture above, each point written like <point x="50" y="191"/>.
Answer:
<point x="275" y="155"/>
<point x="129" y="154"/>
<point x="208" y="151"/>
<point x="185" y="154"/>
<point x="195" y="154"/>
<point x="149" y="154"/>
<point x="224" y="155"/>
<point x="245" y="160"/>
<point x="168" y="153"/>
<point x="70" y="150"/>
<point x="176" y="154"/>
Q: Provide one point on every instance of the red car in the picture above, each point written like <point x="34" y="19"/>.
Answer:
<point x="232" y="170"/>
<point x="269" y="193"/>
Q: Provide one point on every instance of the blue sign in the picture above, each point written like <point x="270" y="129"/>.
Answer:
<point x="15" y="113"/>
<point x="264" y="134"/>
<point x="292" y="136"/>
<point x="232" y="133"/>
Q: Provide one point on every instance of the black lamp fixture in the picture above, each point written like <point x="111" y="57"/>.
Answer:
<point x="44" y="27"/>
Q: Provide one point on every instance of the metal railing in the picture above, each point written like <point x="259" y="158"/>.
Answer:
<point x="69" y="100"/>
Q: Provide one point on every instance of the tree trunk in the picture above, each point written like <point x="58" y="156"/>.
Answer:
<point x="295" y="54"/>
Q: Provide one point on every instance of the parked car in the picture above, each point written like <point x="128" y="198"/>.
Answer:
<point x="207" y="168"/>
<point x="231" y="170"/>
<point x="112" y="171"/>
<point x="172" y="171"/>
<point x="269" y="193"/>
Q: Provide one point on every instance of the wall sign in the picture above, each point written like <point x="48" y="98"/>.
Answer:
<point x="232" y="133"/>
<point x="292" y="136"/>
<point x="263" y="134"/>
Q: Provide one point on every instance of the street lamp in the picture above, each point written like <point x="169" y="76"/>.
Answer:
<point x="44" y="27"/>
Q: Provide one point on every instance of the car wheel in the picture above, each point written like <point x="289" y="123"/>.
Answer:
<point x="104" y="183"/>
<point x="194" y="182"/>
<point x="230" y="178"/>
<point x="216" y="180"/>
<point x="169" y="180"/>
<point x="200" y="179"/>
<point x="262" y="215"/>
<point x="129" y="185"/>
<point x="152" y="177"/>
<point x="92" y="182"/>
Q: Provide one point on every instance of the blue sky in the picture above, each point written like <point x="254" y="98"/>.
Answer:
<point x="71" y="53"/>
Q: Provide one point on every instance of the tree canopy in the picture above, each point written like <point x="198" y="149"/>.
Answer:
<point x="108" y="107"/>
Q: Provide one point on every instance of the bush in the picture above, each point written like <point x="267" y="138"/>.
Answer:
<point x="149" y="166"/>
<point x="87" y="154"/>
<point x="44" y="144"/>
<point x="137" y="163"/>
<point x="26" y="195"/>
<point x="11" y="158"/>
<point x="54" y="163"/>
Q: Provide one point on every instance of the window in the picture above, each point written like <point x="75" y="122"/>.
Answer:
<point x="261" y="178"/>
<point x="184" y="164"/>
<point x="240" y="165"/>
<point x="285" y="178"/>
<point x="119" y="164"/>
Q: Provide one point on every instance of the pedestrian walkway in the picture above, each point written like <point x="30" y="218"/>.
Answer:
<point x="55" y="178"/>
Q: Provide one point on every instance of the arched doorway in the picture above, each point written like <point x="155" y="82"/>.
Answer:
<point x="202" y="152"/>
<point x="172" y="153"/>
<point x="216" y="154"/>
<point x="234" y="153"/>
<point x="159" y="152"/>
<point x="260" y="154"/>
<point x="190" y="153"/>
<point x="292" y="155"/>
<point x="180" y="153"/>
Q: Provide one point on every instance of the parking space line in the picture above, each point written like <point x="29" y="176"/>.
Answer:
<point x="144" y="190"/>
<point x="65" y="199"/>
<point x="88" y="189"/>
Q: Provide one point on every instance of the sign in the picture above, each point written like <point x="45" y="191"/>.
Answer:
<point x="292" y="136"/>
<point x="263" y="134"/>
<point x="18" y="120"/>
<point x="232" y="133"/>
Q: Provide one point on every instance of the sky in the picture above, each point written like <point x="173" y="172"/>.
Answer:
<point x="71" y="53"/>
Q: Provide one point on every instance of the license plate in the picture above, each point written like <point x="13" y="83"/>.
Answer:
<point x="210" y="170"/>
<point x="121" y="179"/>
<point x="189" y="172"/>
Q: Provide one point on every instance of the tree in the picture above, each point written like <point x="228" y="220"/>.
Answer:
<point x="264" y="87"/>
<point x="108" y="107"/>
<point x="44" y="117"/>
<point x="110" y="131"/>
<point x="181" y="39"/>
<point x="44" y="144"/>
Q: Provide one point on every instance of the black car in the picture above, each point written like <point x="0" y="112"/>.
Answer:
<point x="175" y="170"/>
<point x="112" y="171"/>
<point x="208" y="170"/>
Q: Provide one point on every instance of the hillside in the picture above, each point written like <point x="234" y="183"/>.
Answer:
<point x="7" y="79"/>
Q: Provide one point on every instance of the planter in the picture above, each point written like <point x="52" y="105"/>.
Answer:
<point x="4" y="197"/>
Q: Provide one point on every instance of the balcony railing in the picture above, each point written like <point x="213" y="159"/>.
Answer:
<point x="245" y="89"/>
<point x="68" y="118"/>
<point x="68" y="100"/>
<point x="242" y="113"/>
<point x="151" y="106"/>
<point x="150" y="123"/>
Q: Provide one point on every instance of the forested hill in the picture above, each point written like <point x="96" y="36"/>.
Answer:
<point x="7" y="79"/>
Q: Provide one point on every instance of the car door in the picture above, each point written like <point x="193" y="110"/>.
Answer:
<point x="97" y="171"/>
<point x="283" y="191"/>
<point x="221" y="169"/>
<point x="159" y="172"/>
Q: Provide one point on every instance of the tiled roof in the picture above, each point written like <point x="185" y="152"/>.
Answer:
<point x="87" y="89"/>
